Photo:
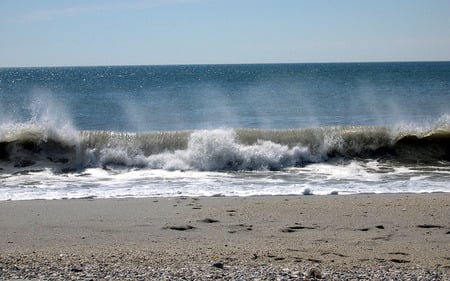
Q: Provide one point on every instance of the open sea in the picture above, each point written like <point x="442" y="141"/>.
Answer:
<point x="224" y="130"/>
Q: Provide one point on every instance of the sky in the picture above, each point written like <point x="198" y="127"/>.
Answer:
<point x="155" y="32"/>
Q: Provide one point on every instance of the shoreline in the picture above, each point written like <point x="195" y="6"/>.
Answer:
<point x="336" y="236"/>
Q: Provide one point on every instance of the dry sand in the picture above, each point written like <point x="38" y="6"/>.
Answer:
<point x="372" y="237"/>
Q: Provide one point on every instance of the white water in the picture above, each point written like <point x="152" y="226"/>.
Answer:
<point x="321" y="178"/>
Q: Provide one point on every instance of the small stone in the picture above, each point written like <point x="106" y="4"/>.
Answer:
<point x="314" y="273"/>
<point x="76" y="269"/>
<point x="218" y="265"/>
<point x="307" y="191"/>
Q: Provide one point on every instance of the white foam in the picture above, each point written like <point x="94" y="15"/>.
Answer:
<point x="319" y="179"/>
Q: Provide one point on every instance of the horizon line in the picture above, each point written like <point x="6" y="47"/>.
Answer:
<point x="243" y="63"/>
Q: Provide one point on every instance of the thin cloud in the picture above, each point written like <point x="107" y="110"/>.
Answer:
<point x="52" y="14"/>
<point x="47" y="15"/>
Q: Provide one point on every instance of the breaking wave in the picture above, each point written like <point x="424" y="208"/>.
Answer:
<point x="33" y="147"/>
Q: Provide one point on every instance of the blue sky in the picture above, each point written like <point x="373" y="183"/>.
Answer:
<point x="138" y="32"/>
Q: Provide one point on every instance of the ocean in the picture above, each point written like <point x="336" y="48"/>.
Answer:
<point x="224" y="130"/>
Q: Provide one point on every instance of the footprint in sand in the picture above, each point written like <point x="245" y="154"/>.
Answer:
<point x="240" y="228"/>
<point x="399" y="260"/>
<point x="428" y="226"/>
<point x="296" y="227"/>
<point x="380" y="226"/>
<point x="180" y="227"/>
<point x="208" y="220"/>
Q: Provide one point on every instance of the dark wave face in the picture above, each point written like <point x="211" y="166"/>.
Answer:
<point x="218" y="150"/>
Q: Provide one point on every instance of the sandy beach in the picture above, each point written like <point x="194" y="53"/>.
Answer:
<point x="368" y="237"/>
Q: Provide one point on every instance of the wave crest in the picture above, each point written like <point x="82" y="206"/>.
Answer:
<point x="217" y="150"/>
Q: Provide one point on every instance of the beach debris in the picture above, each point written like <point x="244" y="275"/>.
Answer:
<point x="379" y="226"/>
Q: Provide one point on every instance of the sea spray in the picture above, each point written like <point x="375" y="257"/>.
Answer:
<point x="47" y="139"/>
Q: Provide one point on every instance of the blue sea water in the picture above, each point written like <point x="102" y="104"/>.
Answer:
<point x="202" y="130"/>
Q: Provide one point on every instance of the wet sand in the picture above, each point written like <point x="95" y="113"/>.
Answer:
<point x="331" y="237"/>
